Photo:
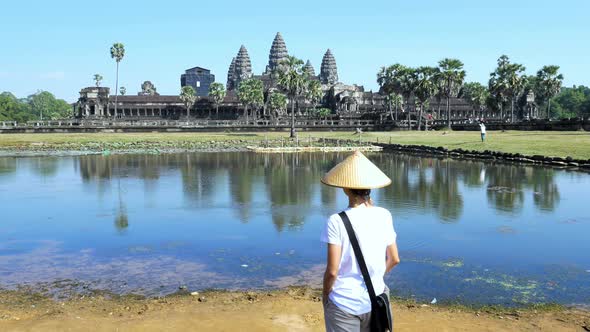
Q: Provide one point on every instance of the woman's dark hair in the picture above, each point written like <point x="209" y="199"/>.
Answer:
<point x="361" y="192"/>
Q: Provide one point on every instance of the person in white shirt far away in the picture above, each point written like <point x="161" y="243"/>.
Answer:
<point x="482" y="128"/>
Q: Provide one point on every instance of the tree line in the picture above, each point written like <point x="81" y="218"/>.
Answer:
<point x="509" y="91"/>
<point x="39" y="106"/>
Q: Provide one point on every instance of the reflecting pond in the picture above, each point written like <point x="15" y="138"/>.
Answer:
<point x="468" y="231"/>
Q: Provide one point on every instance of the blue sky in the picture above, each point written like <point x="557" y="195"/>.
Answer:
<point x="59" y="45"/>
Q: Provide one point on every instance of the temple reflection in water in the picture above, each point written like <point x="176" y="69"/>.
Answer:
<point x="288" y="184"/>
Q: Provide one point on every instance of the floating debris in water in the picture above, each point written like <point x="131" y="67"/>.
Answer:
<point x="503" y="190"/>
<point x="506" y="230"/>
<point x="277" y="253"/>
<point x="244" y="265"/>
<point x="453" y="263"/>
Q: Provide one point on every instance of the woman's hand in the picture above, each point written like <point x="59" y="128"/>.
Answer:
<point x="392" y="257"/>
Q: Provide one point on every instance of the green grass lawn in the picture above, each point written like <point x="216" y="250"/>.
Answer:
<point x="561" y="144"/>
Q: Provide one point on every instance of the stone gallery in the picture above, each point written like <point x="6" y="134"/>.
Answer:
<point x="344" y="100"/>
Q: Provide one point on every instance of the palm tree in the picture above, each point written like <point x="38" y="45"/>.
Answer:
<point x="407" y="80"/>
<point x="188" y="97"/>
<point x="476" y="94"/>
<point x="397" y="79"/>
<point x="426" y="87"/>
<point x="122" y="90"/>
<point x="498" y="84"/>
<point x="293" y="81"/>
<point x="516" y="83"/>
<point x="394" y="101"/>
<point x="251" y="93"/>
<point x="451" y="76"/>
<point x="278" y="101"/>
<point x="97" y="79"/>
<point x="313" y="92"/>
<point x="217" y="91"/>
<point x="548" y="84"/>
<point x="117" y="53"/>
<point x="506" y="82"/>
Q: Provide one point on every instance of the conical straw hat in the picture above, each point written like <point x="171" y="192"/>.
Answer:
<point x="356" y="172"/>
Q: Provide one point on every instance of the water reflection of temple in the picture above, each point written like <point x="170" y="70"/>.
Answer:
<point x="288" y="185"/>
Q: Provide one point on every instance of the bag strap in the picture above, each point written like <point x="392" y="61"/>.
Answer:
<point x="359" y="255"/>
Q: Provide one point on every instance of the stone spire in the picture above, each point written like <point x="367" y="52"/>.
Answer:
<point x="242" y="67"/>
<point x="328" y="71"/>
<point x="309" y="68"/>
<point x="278" y="53"/>
<point x="231" y="75"/>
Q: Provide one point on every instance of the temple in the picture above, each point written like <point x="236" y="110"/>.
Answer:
<point x="344" y="100"/>
<point x="199" y="78"/>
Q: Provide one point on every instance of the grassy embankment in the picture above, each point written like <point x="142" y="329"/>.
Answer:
<point x="559" y="144"/>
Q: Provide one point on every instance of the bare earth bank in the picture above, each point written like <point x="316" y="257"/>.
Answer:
<point x="293" y="309"/>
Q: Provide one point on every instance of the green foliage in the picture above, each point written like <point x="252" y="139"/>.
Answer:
<point x="547" y="85"/>
<point x="322" y="112"/>
<point x="476" y="94"/>
<point x="41" y="105"/>
<point x="313" y="92"/>
<point x="217" y="92"/>
<point x="122" y="90"/>
<point x="278" y="101"/>
<point x="571" y="102"/>
<point x="97" y="79"/>
<point x="251" y="93"/>
<point x="292" y="78"/>
<point x="118" y="51"/>
<point x="507" y="82"/>
<point x="188" y="97"/>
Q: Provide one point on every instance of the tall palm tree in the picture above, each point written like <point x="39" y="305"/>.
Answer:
<point x="397" y="79"/>
<point x="217" y="91"/>
<point x="516" y="83"/>
<point x="506" y="82"/>
<point x="293" y="81"/>
<point x="426" y="88"/>
<point x="452" y="76"/>
<point x="408" y="82"/>
<point x="548" y="83"/>
<point x="188" y="97"/>
<point x="117" y="53"/>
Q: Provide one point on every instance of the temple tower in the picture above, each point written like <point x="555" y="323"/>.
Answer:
<point x="278" y="53"/>
<point x="308" y="68"/>
<point x="329" y="71"/>
<point x="242" y="67"/>
<point x="231" y="75"/>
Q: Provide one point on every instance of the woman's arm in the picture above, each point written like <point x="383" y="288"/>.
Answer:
<point x="392" y="257"/>
<point x="332" y="266"/>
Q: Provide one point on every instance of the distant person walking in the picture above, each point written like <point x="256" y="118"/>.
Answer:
<point x="353" y="287"/>
<point x="482" y="128"/>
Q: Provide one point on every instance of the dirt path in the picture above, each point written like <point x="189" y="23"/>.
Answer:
<point x="289" y="310"/>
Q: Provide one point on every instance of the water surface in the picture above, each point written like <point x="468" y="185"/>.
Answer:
<point x="467" y="231"/>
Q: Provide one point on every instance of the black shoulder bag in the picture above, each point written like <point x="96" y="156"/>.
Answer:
<point x="381" y="319"/>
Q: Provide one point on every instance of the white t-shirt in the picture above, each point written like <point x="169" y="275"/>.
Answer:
<point x="374" y="230"/>
<point x="483" y="128"/>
